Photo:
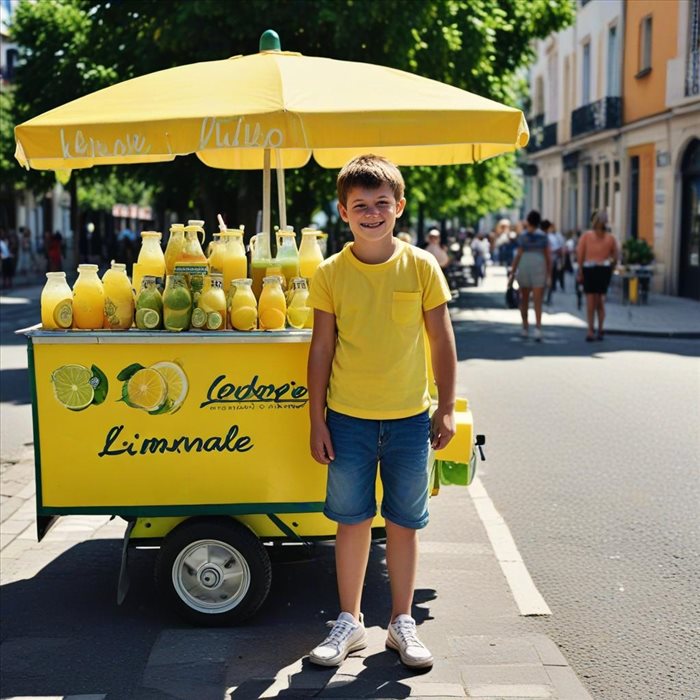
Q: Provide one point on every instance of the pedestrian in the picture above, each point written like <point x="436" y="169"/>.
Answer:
<point x="481" y="252"/>
<point x="7" y="260"/>
<point x="597" y="254"/>
<point x="557" y="251"/>
<point x="368" y="399"/>
<point x="55" y="253"/>
<point x="501" y="242"/>
<point x="532" y="268"/>
<point x="437" y="250"/>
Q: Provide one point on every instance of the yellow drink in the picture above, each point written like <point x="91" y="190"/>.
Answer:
<point x="258" y="270"/>
<point x="56" y="303"/>
<point x="310" y="254"/>
<point x="289" y="268"/>
<point x="234" y="261"/>
<point x="216" y="255"/>
<point x="243" y="306"/>
<point x="298" y="305"/>
<point x="272" y="307"/>
<point x="151" y="259"/>
<point x="287" y="255"/>
<point x="88" y="299"/>
<point x="119" y="298"/>
<point x="177" y="303"/>
<point x="173" y="251"/>
<point x="210" y="313"/>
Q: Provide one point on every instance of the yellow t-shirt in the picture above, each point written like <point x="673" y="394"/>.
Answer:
<point x="379" y="366"/>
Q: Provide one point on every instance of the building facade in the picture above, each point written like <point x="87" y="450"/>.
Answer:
<point x="615" y="125"/>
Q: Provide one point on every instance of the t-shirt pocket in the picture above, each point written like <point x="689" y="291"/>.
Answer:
<point x="406" y="308"/>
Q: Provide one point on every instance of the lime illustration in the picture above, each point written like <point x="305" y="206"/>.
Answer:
<point x="199" y="318"/>
<point x="176" y="381"/>
<point x="147" y="319"/>
<point x="72" y="387"/>
<point x="100" y="385"/>
<point x="214" y="321"/>
<point x="63" y="313"/>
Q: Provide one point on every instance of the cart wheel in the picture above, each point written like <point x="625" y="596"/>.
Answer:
<point x="213" y="571"/>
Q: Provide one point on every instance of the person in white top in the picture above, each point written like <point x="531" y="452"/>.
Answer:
<point x="436" y="249"/>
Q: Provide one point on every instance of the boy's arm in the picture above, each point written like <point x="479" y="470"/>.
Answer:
<point x="318" y="374"/>
<point x="444" y="359"/>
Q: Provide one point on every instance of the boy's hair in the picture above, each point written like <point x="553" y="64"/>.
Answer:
<point x="371" y="172"/>
<point x="534" y="218"/>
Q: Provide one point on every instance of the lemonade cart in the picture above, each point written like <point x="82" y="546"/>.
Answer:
<point x="199" y="441"/>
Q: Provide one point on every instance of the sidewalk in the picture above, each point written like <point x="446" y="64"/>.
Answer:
<point x="483" y="647"/>
<point x="663" y="316"/>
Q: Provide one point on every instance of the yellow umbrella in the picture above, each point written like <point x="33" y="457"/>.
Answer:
<point x="275" y="108"/>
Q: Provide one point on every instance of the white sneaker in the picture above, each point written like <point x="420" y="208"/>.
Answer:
<point x="524" y="333"/>
<point x="347" y="635"/>
<point x="402" y="637"/>
<point x="538" y="335"/>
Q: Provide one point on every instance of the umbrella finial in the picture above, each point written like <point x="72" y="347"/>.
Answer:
<point x="270" y="41"/>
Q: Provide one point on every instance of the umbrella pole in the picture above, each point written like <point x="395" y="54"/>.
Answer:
<point x="266" y="193"/>
<point x="281" y="195"/>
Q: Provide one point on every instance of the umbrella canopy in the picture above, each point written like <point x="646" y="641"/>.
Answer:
<point x="233" y="112"/>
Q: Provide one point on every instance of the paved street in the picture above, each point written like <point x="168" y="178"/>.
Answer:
<point x="590" y="451"/>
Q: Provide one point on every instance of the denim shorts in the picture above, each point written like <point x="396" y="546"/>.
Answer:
<point x="401" y="447"/>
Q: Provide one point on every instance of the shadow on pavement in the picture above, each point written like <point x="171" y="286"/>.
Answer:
<point x="63" y="634"/>
<point x="14" y="386"/>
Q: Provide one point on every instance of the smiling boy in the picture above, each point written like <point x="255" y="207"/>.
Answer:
<point x="369" y="400"/>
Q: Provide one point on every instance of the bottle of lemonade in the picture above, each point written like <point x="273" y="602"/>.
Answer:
<point x="88" y="299"/>
<point x="298" y="309"/>
<point x="151" y="260"/>
<point x="287" y="254"/>
<point x="177" y="303"/>
<point x="211" y="305"/>
<point x="272" y="307"/>
<point x="215" y="252"/>
<point x="310" y="255"/>
<point x="56" y="303"/>
<point x="119" y="298"/>
<point x="149" y="306"/>
<point x="235" y="263"/>
<point x="192" y="250"/>
<point x="260" y="260"/>
<point x="173" y="251"/>
<point x="242" y="305"/>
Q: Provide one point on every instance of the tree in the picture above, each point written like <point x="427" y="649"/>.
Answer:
<point x="477" y="45"/>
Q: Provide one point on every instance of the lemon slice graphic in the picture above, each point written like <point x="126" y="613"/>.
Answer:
<point x="72" y="387"/>
<point x="214" y="321"/>
<point x="199" y="318"/>
<point x="147" y="389"/>
<point x="176" y="381"/>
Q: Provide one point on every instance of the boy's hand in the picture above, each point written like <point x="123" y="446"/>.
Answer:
<point x="321" y="445"/>
<point x="442" y="428"/>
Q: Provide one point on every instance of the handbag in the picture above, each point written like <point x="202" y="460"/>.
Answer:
<point x="512" y="297"/>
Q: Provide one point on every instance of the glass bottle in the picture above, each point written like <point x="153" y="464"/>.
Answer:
<point x="88" y="299"/>
<point x="272" y="307"/>
<point x="173" y="251"/>
<point x="119" y="298"/>
<point x="298" y="303"/>
<point x="242" y="305"/>
<point x="151" y="260"/>
<point x="56" y="303"/>
<point x="177" y="303"/>
<point x="310" y="254"/>
<point x="215" y="254"/>
<point x="149" y="306"/>
<point x="192" y="251"/>
<point x="260" y="260"/>
<point x="287" y="254"/>
<point x="234" y="261"/>
<point x="211" y="305"/>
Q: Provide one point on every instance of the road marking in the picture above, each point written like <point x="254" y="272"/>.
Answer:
<point x="527" y="597"/>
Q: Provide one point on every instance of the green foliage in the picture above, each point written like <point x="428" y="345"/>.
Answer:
<point x="636" y="251"/>
<point x="74" y="47"/>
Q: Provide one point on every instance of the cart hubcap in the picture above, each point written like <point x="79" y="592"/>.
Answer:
<point x="211" y="576"/>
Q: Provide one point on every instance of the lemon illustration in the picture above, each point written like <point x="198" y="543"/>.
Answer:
<point x="71" y="384"/>
<point x="297" y="316"/>
<point x="63" y="313"/>
<point x="199" y="318"/>
<point x="214" y="321"/>
<point x="147" y="389"/>
<point x="272" y="320"/>
<point x="176" y="381"/>
<point x="244" y="318"/>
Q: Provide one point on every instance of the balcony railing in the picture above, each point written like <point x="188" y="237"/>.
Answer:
<point x="597" y="116"/>
<point x="541" y="135"/>
<point x="692" y="74"/>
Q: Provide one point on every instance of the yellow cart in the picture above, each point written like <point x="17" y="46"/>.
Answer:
<point x="212" y="471"/>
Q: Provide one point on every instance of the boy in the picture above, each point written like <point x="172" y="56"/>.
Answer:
<point x="369" y="400"/>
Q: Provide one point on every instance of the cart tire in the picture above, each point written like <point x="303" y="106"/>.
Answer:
<point x="213" y="571"/>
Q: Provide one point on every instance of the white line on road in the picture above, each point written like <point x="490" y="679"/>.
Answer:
<point x="527" y="597"/>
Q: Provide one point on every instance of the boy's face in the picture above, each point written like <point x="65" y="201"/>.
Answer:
<point x="371" y="213"/>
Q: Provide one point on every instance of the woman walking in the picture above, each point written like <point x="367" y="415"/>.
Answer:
<point x="532" y="267"/>
<point x="597" y="256"/>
